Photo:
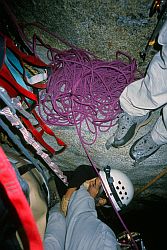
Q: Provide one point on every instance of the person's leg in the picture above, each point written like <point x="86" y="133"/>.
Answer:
<point x="152" y="141"/>
<point x="139" y="98"/>
<point x="159" y="131"/>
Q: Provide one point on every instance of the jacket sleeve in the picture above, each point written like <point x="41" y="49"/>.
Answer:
<point x="55" y="231"/>
<point x="110" y="241"/>
<point x="80" y="202"/>
<point x="83" y="226"/>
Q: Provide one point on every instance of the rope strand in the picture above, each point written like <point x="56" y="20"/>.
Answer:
<point x="83" y="90"/>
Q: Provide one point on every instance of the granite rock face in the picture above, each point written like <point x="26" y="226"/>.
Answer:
<point x="102" y="27"/>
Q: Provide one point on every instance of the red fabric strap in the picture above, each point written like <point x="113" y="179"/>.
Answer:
<point x="13" y="190"/>
<point x="8" y="82"/>
<point x="12" y="87"/>
<point x="46" y="129"/>
<point x="38" y="134"/>
<point x="31" y="59"/>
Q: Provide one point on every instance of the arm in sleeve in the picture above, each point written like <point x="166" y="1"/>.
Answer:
<point x="110" y="241"/>
<point x="54" y="238"/>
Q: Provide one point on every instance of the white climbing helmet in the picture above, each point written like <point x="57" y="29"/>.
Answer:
<point x="118" y="186"/>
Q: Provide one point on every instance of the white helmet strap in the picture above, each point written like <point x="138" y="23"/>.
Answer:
<point x="110" y="181"/>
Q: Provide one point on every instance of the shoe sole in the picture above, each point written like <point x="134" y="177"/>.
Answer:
<point x="143" y="157"/>
<point x="144" y="123"/>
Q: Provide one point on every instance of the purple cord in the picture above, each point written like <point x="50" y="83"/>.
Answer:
<point x="84" y="91"/>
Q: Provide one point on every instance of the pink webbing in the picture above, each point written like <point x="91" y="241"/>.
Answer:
<point x="84" y="91"/>
<point x="15" y="121"/>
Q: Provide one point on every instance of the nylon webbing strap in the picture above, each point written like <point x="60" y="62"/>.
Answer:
<point x="15" y="121"/>
<point x="14" y="192"/>
<point x="46" y="129"/>
<point x="14" y="78"/>
<point x="19" y="144"/>
<point x="13" y="74"/>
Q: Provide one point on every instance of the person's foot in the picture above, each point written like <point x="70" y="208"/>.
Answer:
<point x="127" y="128"/>
<point x="143" y="148"/>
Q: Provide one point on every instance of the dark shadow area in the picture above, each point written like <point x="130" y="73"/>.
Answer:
<point x="147" y="217"/>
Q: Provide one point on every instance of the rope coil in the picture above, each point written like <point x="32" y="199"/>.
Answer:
<point x="84" y="91"/>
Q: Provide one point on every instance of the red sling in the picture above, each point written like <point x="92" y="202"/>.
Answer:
<point x="15" y="194"/>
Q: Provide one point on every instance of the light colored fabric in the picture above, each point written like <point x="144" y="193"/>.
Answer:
<point x="38" y="203"/>
<point x="54" y="238"/>
<point x="80" y="229"/>
<point x="150" y="92"/>
<point x="162" y="39"/>
<point x="84" y="230"/>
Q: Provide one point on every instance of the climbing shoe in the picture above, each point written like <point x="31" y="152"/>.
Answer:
<point x="143" y="148"/>
<point x="127" y="128"/>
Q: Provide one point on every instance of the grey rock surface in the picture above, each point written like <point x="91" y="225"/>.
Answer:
<point x="102" y="27"/>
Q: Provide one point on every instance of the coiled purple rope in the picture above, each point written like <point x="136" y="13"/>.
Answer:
<point x="84" y="91"/>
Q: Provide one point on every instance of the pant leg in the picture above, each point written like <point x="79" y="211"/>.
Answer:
<point x="159" y="131"/>
<point x="148" y="93"/>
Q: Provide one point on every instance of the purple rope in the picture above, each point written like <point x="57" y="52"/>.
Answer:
<point x="84" y="91"/>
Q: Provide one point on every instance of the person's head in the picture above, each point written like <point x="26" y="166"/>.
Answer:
<point x="115" y="186"/>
